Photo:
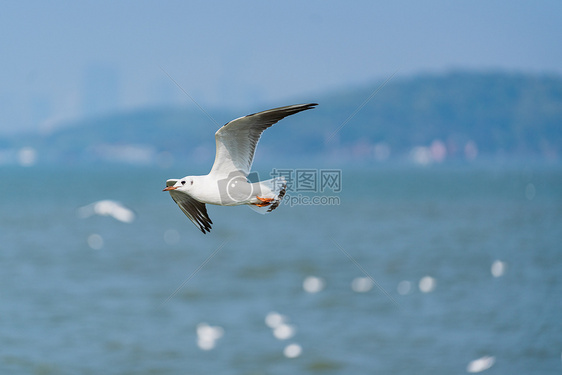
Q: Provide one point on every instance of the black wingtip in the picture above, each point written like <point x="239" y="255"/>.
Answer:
<point x="206" y="227"/>
<point x="299" y="108"/>
<point x="305" y="107"/>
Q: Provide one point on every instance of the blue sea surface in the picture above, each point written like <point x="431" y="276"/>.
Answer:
<point x="99" y="296"/>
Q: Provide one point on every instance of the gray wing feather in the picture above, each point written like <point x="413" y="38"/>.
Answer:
<point x="193" y="209"/>
<point x="237" y="140"/>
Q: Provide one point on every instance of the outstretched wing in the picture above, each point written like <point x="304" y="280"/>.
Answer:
<point x="237" y="140"/>
<point x="193" y="209"/>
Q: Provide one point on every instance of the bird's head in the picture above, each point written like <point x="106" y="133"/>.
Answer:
<point x="184" y="185"/>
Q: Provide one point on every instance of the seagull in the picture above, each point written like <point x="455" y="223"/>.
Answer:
<point x="227" y="183"/>
<point x="107" y="207"/>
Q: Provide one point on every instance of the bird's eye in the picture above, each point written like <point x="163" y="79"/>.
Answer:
<point x="191" y="182"/>
<point x="183" y="182"/>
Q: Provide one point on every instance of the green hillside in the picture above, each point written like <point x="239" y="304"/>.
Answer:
<point x="513" y="115"/>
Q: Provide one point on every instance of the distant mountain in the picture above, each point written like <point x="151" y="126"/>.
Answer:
<point x="428" y="118"/>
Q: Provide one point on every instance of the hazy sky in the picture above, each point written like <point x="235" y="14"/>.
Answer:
<point x="64" y="60"/>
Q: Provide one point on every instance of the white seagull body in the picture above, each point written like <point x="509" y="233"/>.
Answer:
<point x="227" y="184"/>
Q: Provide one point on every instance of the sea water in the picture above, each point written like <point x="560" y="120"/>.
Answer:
<point x="410" y="271"/>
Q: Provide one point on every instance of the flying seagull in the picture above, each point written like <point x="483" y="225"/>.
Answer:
<point x="227" y="183"/>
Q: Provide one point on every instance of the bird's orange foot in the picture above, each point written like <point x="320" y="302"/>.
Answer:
<point x="265" y="201"/>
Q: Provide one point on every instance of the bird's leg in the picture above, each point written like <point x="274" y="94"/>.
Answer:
<point x="265" y="201"/>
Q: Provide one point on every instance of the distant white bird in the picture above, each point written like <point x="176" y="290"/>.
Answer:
<point x="481" y="364"/>
<point x="107" y="207"/>
<point x="227" y="183"/>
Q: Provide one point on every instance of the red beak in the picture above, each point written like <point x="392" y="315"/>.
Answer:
<point x="170" y="188"/>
